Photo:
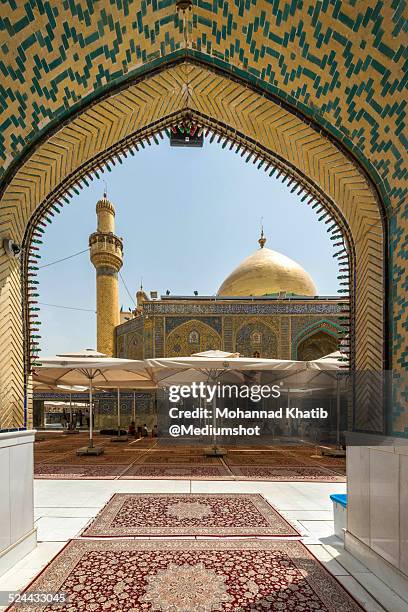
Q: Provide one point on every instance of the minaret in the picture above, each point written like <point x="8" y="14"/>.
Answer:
<point x="107" y="257"/>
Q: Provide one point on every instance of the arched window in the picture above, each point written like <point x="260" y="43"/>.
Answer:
<point x="256" y="354"/>
<point x="256" y="337"/>
<point x="317" y="345"/>
<point x="194" y="337"/>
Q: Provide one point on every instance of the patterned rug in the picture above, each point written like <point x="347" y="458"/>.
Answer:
<point x="290" y="473"/>
<point x="41" y="458"/>
<point x="176" y="514"/>
<point x="329" y="461"/>
<point x="176" y="471"/>
<point x="175" y="457"/>
<point x="337" y="469"/>
<point x="187" y="575"/>
<point x="118" y="458"/>
<point x="78" y="472"/>
<point x="314" y="456"/>
<point x="272" y="458"/>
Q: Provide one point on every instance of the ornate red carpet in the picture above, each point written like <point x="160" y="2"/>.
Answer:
<point x="264" y="458"/>
<point x="139" y="471"/>
<point x="176" y="514"/>
<point x="187" y="575"/>
<point x="78" y="472"/>
<point x="291" y="473"/>
<point x="160" y="471"/>
<point x="55" y="458"/>
<point x="176" y="457"/>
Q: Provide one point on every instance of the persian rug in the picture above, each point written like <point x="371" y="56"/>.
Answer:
<point x="266" y="458"/>
<point x="290" y="473"/>
<point x="107" y="457"/>
<point x="55" y="449"/>
<point x="78" y="472"/>
<point x="336" y="469"/>
<point x="314" y="455"/>
<point x="188" y="514"/>
<point x="165" y="471"/>
<point x="49" y="458"/>
<point x="329" y="461"/>
<point x="143" y="442"/>
<point x="187" y="575"/>
<point x="175" y="457"/>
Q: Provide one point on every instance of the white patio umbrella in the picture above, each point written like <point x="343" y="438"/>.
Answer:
<point x="215" y="361"/>
<point x="39" y="386"/>
<point x="209" y="366"/>
<point x="90" y="353"/>
<point x="324" y="372"/>
<point x="86" y="368"/>
<point x="334" y="361"/>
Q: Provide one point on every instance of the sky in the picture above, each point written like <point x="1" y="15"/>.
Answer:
<point x="188" y="217"/>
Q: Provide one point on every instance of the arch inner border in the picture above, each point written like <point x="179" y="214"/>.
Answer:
<point x="70" y="156"/>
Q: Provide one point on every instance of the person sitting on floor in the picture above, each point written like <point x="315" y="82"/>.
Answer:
<point x="132" y="429"/>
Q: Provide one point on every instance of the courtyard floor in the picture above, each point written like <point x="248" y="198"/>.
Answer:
<point x="148" y="458"/>
<point x="64" y="507"/>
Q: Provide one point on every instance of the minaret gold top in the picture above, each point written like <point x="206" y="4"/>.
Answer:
<point x="105" y="212"/>
<point x="262" y="239"/>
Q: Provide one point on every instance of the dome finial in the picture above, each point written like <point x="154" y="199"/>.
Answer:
<point x="262" y="239"/>
<point x="105" y="191"/>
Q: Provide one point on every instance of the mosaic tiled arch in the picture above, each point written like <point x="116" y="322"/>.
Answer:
<point x="268" y="346"/>
<point x="329" y="327"/>
<point x="316" y="346"/>
<point x="178" y="340"/>
<point x="270" y="131"/>
<point x="337" y="64"/>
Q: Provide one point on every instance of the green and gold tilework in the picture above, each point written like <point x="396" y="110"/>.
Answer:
<point x="336" y="65"/>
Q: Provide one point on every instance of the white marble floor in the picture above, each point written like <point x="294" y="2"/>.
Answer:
<point x="64" y="507"/>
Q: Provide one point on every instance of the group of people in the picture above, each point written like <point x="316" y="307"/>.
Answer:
<point x="141" y="431"/>
<point x="78" y="419"/>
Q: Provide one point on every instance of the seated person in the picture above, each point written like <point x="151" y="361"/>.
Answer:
<point x="145" y="431"/>
<point x="132" y="429"/>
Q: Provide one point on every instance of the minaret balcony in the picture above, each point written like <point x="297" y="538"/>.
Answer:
<point x="106" y="250"/>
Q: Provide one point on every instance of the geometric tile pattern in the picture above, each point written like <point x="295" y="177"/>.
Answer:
<point x="340" y="65"/>
<point x="73" y="151"/>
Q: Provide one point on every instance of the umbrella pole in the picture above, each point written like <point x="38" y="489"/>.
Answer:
<point x="214" y="451"/>
<point x="118" y="401"/>
<point x="290" y="426"/>
<point x="214" y="407"/>
<point x="70" y="410"/>
<point x="90" y="415"/>
<point x="134" y="407"/>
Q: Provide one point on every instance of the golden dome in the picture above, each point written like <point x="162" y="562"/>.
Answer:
<point x="266" y="272"/>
